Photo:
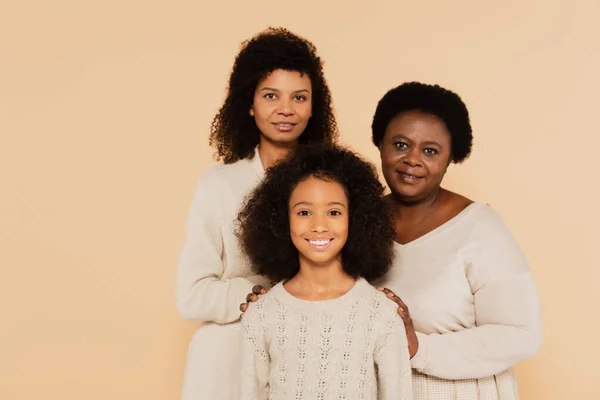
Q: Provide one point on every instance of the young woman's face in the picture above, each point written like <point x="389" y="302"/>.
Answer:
<point x="282" y="106"/>
<point x="415" y="154"/>
<point x="318" y="212"/>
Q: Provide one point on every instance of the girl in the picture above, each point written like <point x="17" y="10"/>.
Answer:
<point x="318" y="226"/>
<point x="277" y="98"/>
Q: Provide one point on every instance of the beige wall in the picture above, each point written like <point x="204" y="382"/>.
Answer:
<point x="104" y="114"/>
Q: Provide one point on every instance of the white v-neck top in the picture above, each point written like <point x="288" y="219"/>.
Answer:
<point x="474" y="305"/>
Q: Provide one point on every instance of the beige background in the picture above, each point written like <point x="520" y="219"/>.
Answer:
<point x="104" y="114"/>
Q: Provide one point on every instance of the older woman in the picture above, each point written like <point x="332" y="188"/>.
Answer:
<point x="474" y="309"/>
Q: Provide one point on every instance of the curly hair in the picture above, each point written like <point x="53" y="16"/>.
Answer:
<point x="234" y="133"/>
<point x="263" y="223"/>
<point x="431" y="99"/>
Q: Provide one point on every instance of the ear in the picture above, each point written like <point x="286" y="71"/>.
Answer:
<point x="251" y="112"/>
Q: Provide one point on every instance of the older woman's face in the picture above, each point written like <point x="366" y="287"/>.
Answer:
<point x="415" y="154"/>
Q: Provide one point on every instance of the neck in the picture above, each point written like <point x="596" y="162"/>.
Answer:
<point x="417" y="209"/>
<point x="320" y="279"/>
<point x="271" y="152"/>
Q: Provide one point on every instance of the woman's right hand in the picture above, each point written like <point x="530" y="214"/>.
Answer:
<point x="252" y="297"/>
<point x="411" y="335"/>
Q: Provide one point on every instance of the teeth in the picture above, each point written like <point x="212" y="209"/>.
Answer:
<point x="319" y="242"/>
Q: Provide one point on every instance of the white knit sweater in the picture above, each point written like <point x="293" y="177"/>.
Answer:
<point x="213" y="278"/>
<point x="474" y="305"/>
<point x="352" y="347"/>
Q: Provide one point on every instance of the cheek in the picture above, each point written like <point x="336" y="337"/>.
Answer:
<point x="388" y="161"/>
<point x="437" y="169"/>
<point x="342" y="228"/>
<point x="304" y="111"/>
<point x="297" y="226"/>
<point x="262" y="109"/>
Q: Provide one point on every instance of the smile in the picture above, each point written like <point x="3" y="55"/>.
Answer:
<point x="408" y="178"/>
<point x="320" y="244"/>
<point x="284" y="126"/>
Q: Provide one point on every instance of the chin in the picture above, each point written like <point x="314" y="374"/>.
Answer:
<point x="284" y="138"/>
<point x="408" y="194"/>
<point x="320" y="260"/>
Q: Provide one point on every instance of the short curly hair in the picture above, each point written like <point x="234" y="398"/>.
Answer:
<point x="263" y="223"/>
<point x="431" y="99"/>
<point x="234" y="133"/>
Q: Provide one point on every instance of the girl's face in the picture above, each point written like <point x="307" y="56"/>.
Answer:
<point x="318" y="212"/>
<point x="282" y="106"/>
<point x="415" y="154"/>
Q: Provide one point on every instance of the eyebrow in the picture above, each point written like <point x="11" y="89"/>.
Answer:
<point x="277" y="90"/>
<point x="307" y="203"/>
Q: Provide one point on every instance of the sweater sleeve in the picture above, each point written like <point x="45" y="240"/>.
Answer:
<point x="507" y="312"/>
<point x="394" y="376"/>
<point x="202" y="293"/>
<point x="254" y="379"/>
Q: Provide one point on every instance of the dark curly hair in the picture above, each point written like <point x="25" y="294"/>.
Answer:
<point x="264" y="228"/>
<point x="234" y="133"/>
<point x="431" y="99"/>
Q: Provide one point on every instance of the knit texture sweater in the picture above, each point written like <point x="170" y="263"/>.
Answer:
<point x="352" y="347"/>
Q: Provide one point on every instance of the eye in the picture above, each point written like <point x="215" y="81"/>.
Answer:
<point x="335" y="213"/>
<point x="300" y="98"/>
<point x="270" y="96"/>
<point x="430" y="152"/>
<point x="303" y="213"/>
<point x="400" y="145"/>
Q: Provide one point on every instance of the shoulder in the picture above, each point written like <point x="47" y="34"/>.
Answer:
<point x="488" y="224"/>
<point x="380" y="306"/>
<point x="227" y="181"/>
<point x="267" y="302"/>
<point x="386" y="321"/>
<point x="222" y="173"/>
<point x="262" y="313"/>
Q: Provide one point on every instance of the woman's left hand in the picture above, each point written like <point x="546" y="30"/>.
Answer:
<point x="411" y="335"/>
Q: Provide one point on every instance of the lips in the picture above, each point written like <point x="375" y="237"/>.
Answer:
<point x="409" y="178"/>
<point x="284" y="126"/>
<point x="319" y="244"/>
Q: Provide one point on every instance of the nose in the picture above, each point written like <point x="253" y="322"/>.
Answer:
<point x="319" y="225"/>
<point x="286" y="107"/>
<point x="413" y="158"/>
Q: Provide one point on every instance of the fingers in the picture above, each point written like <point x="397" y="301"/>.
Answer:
<point x="402" y="309"/>
<point x="259" y="290"/>
<point x="390" y="295"/>
<point x="251" y="298"/>
<point x="404" y="315"/>
<point x="401" y="303"/>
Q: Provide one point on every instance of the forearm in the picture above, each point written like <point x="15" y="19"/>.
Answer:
<point x="508" y="331"/>
<point x="474" y="353"/>
<point x="214" y="299"/>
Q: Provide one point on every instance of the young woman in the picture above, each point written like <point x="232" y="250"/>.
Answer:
<point x="318" y="226"/>
<point x="277" y="98"/>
